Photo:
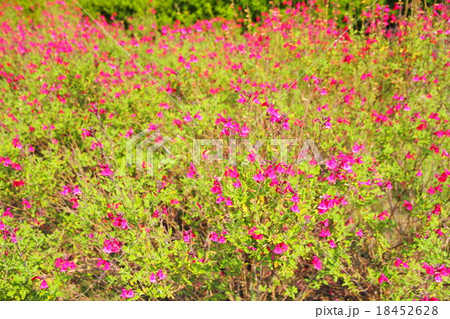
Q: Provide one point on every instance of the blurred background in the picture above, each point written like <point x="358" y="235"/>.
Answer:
<point x="187" y="12"/>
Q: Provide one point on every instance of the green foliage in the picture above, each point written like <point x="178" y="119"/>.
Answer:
<point x="72" y="99"/>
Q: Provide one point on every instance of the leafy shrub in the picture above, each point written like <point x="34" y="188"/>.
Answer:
<point x="80" y="220"/>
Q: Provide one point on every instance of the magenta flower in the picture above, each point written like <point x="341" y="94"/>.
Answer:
<point x="7" y="213"/>
<point x="228" y="202"/>
<point x="161" y="275"/>
<point x="43" y="285"/>
<point x="428" y="298"/>
<point x="103" y="264"/>
<point x="77" y="190"/>
<point x="244" y="131"/>
<point x="112" y="246"/>
<point x="18" y="183"/>
<point x="237" y="183"/>
<point x="357" y="148"/>
<point x="437" y="272"/>
<point x="106" y="171"/>
<point x="382" y="278"/>
<point x="407" y="205"/>
<point x="216" y="238"/>
<point x="429" y="269"/>
<point x="217" y="188"/>
<point x="325" y="233"/>
<point x="66" y="190"/>
<point x="64" y="264"/>
<point x="231" y="172"/>
<point x="192" y="171"/>
<point x="382" y="216"/>
<point x="127" y="294"/>
<point x="120" y="222"/>
<point x="280" y="248"/>
<point x="317" y="263"/>
<point x="188" y="235"/>
<point x="26" y="203"/>
<point x="439" y="232"/>
<point x="16" y="143"/>
<point x="258" y="177"/>
<point x="222" y="240"/>
<point x="255" y="236"/>
<point x="400" y="263"/>
<point x="332" y="244"/>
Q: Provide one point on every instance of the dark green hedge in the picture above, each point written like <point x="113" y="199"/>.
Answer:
<point x="189" y="11"/>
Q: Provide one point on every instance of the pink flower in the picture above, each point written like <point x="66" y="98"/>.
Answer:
<point x="231" y="172"/>
<point x="217" y="188"/>
<point x="429" y="269"/>
<point x="439" y="232"/>
<point x="438" y="278"/>
<point x="106" y="171"/>
<point x="258" y="177"/>
<point x="112" y="246"/>
<point x="187" y="235"/>
<point x="26" y="203"/>
<point x="382" y="278"/>
<point x="64" y="264"/>
<point x="161" y="275"/>
<point x="76" y="190"/>
<point x="245" y="130"/>
<point x="120" y="222"/>
<point x="407" y="205"/>
<point x="66" y="190"/>
<point x="237" y="184"/>
<point x="444" y="271"/>
<point x="152" y="278"/>
<point x="398" y="263"/>
<point x="127" y="294"/>
<point x="359" y="233"/>
<point x="382" y="216"/>
<point x="214" y="237"/>
<point x="229" y="202"/>
<point x="198" y="116"/>
<point x="427" y="298"/>
<point x="75" y="203"/>
<point x="317" y="263"/>
<point x="252" y="231"/>
<point x="325" y="233"/>
<point x="43" y="285"/>
<point x="438" y="273"/>
<point x="16" y="143"/>
<point x="280" y="248"/>
<point x="357" y="148"/>
<point x="7" y="213"/>
<point x="192" y="171"/>
<point x="18" y="183"/>
<point x="103" y="264"/>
